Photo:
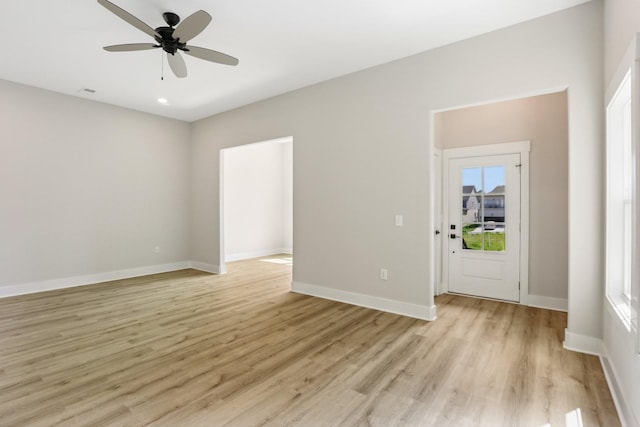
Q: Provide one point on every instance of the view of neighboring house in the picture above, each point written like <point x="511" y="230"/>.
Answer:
<point x="494" y="205"/>
<point x="492" y="202"/>
<point x="470" y="204"/>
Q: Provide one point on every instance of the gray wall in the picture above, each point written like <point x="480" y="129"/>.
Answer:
<point x="543" y="120"/>
<point x="362" y="150"/>
<point x="88" y="188"/>
<point x="622" y="21"/>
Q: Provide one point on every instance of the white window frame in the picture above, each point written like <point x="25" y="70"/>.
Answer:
<point x="621" y="250"/>
<point x="618" y="227"/>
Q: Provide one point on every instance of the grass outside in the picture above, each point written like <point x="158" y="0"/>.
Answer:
<point x="493" y="242"/>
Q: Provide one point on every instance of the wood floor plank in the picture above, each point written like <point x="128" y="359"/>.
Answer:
<point x="194" y="349"/>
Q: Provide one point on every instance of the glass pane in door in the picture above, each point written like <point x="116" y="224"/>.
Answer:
<point x="472" y="180"/>
<point x="494" y="236"/>
<point x="471" y="208"/>
<point x="472" y="237"/>
<point x="494" y="180"/>
<point x="494" y="205"/>
<point x="471" y="197"/>
<point x="483" y="208"/>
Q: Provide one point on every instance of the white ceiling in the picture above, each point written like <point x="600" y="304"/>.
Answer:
<point x="282" y="45"/>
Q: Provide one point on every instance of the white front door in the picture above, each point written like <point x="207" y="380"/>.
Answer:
<point x="483" y="229"/>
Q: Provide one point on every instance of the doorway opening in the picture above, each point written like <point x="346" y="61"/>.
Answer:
<point x="542" y="120"/>
<point x="256" y="200"/>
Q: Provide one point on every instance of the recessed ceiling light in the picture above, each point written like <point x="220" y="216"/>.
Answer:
<point x="163" y="101"/>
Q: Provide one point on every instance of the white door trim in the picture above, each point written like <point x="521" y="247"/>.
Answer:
<point x="523" y="148"/>
<point x="438" y="287"/>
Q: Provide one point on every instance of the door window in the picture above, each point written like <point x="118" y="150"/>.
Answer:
<point x="483" y="208"/>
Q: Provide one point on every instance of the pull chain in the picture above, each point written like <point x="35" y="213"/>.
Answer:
<point x="161" y="66"/>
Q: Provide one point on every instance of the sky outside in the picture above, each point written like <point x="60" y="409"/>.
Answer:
<point x="493" y="176"/>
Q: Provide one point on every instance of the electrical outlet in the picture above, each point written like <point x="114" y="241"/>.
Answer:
<point x="384" y="274"/>
<point x="157" y="249"/>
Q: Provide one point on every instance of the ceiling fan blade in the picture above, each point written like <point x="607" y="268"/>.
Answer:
<point x="130" y="47"/>
<point x="126" y="16"/>
<point x="210" y="55"/>
<point x="192" y="26"/>
<point x="176" y="62"/>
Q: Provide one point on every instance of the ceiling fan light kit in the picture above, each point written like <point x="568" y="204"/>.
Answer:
<point x="172" y="38"/>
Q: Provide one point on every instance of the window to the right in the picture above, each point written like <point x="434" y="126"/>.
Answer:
<point x="620" y="194"/>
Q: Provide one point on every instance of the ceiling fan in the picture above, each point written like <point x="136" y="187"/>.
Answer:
<point x="170" y="39"/>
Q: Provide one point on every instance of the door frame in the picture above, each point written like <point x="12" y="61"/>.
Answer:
<point x="438" y="230"/>
<point x="523" y="148"/>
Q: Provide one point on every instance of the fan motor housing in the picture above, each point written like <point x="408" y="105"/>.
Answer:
<point x="168" y="43"/>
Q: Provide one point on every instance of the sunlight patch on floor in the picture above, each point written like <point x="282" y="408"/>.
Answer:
<point x="572" y="418"/>
<point x="285" y="261"/>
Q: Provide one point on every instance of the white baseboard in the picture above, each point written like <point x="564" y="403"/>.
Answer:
<point x="627" y="419"/>
<point x="90" y="279"/>
<point x="583" y="343"/>
<point x="256" y="254"/>
<point x="207" y="268"/>
<point x="362" y="300"/>
<point x="557" y="304"/>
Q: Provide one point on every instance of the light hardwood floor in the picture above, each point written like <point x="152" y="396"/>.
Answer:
<point x="192" y="349"/>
